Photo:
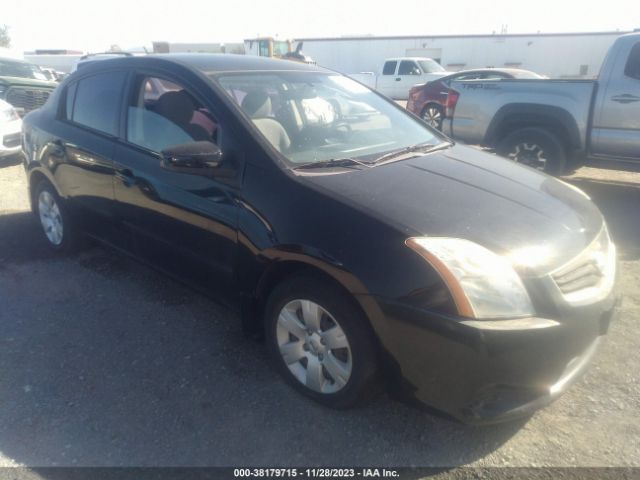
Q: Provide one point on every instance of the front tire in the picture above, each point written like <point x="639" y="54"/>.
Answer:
<point x="535" y="147"/>
<point x="57" y="225"/>
<point x="320" y="342"/>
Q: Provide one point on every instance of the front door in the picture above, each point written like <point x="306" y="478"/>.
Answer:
<point x="616" y="123"/>
<point x="184" y="223"/>
<point x="409" y="74"/>
<point x="386" y="83"/>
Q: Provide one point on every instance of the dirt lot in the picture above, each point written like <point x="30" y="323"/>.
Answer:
<point x="106" y="362"/>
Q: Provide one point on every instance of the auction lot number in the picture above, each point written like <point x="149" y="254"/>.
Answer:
<point x="304" y="473"/>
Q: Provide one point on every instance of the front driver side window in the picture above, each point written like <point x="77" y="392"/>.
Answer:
<point x="163" y="113"/>
<point x="409" y="68"/>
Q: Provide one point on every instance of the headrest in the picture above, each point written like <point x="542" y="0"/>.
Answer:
<point x="257" y="104"/>
<point x="176" y="106"/>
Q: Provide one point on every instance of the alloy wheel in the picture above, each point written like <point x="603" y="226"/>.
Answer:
<point x="314" y="346"/>
<point x="530" y="154"/>
<point x="433" y="117"/>
<point x="50" y="217"/>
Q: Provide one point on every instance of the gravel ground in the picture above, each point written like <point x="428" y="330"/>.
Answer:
<point x="105" y="362"/>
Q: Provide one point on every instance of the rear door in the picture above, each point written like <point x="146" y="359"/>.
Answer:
<point x="84" y="147"/>
<point x="184" y="223"/>
<point x="616" y="123"/>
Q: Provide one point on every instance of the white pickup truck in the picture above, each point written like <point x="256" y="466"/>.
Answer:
<point x="398" y="75"/>
<point x="556" y="125"/>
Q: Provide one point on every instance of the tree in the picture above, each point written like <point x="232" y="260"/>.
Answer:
<point x="5" y="40"/>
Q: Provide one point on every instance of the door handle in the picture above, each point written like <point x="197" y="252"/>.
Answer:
<point x="398" y="79"/>
<point x="625" y="98"/>
<point x="126" y="176"/>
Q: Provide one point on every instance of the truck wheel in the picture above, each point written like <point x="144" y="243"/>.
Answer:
<point x="535" y="147"/>
<point x="433" y="115"/>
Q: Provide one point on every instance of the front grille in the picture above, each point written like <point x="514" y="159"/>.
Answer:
<point x="12" y="140"/>
<point x="27" y="98"/>
<point x="581" y="276"/>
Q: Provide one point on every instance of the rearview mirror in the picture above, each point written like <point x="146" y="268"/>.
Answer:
<point x="196" y="158"/>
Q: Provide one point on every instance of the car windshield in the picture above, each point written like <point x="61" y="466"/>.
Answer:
<point x="316" y="117"/>
<point x="430" y="66"/>
<point x="11" y="68"/>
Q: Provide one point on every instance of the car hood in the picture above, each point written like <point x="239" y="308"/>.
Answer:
<point x="466" y="193"/>
<point x="28" y="82"/>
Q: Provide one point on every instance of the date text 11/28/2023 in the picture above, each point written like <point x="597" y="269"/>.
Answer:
<point x="303" y="473"/>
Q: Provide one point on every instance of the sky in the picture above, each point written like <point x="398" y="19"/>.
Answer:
<point x="88" y="25"/>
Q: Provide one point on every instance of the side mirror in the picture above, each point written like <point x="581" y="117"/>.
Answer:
<point x="195" y="158"/>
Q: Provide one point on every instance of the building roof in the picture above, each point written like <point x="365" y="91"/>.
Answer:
<point x="486" y="35"/>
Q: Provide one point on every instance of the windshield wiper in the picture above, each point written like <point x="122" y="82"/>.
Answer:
<point x="334" y="162"/>
<point x="418" y="148"/>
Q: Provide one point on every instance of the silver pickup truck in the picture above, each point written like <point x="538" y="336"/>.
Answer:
<point x="556" y="125"/>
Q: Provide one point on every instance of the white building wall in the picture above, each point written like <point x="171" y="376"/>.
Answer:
<point x="551" y="55"/>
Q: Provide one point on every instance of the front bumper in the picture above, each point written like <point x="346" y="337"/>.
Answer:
<point x="484" y="372"/>
<point x="10" y="142"/>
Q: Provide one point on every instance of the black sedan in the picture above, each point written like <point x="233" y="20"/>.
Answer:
<point x="365" y="246"/>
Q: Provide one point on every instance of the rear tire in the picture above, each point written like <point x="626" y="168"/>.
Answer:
<point x="320" y="342"/>
<point x="433" y="115"/>
<point x="57" y="225"/>
<point x="535" y="147"/>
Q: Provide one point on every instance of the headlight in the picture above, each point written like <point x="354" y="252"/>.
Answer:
<point x="8" y="114"/>
<point x="590" y="276"/>
<point x="483" y="284"/>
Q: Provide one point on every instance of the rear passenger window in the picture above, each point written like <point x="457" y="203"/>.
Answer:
<point x="467" y="76"/>
<point x="491" y="76"/>
<point x="69" y="99"/>
<point x="389" y="68"/>
<point x="632" y="69"/>
<point x="97" y="101"/>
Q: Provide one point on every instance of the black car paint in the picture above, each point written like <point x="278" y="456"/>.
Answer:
<point x="236" y="237"/>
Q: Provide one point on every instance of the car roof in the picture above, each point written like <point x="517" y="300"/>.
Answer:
<point x="511" y="71"/>
<point x="407" y="58"/>
<point x="207" y="63"/>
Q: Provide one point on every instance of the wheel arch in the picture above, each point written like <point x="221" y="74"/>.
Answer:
<point x="556" y="120"/>
<point x="253" y="305"/>
<point x="35" y="177"/>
